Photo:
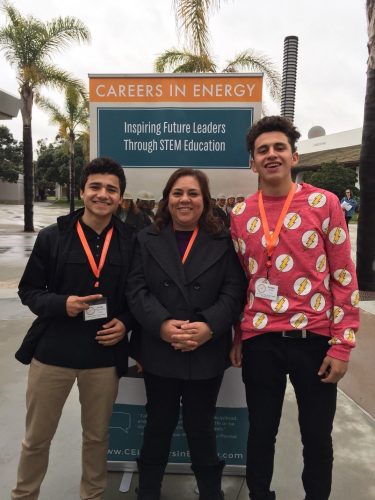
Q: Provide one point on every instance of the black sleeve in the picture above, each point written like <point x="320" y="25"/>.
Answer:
<point x="34" y="285"/>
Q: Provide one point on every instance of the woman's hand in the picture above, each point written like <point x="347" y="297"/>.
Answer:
<point x="191" y="336"/>
<point x="169" y="328"/>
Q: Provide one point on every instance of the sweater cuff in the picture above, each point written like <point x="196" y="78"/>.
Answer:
<point x="339" y="351"/>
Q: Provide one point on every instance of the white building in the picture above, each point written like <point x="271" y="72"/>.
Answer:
<point x="342" y="147"/>
<point x="9" y="108"/>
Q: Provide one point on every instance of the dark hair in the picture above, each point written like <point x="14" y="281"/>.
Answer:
<point x="207" y="220"/>
<point x="103" y="166"/>
<point x="272" y="124"/>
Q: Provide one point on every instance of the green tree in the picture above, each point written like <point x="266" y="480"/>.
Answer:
<point x="52" y="165"/>
<point x="192" y="18"/>
<point x="29" y="45"/>
<point x="10" y="156"/>
<point x="333" y="177"/>
<point x="70" y="120"/>
<point x="366" y="231"/>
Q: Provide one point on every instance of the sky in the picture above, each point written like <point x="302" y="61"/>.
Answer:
<point x="127" y="37"/>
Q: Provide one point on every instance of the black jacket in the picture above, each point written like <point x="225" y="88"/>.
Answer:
<point x="209" y="287"/>
<point x="39" y="285"/>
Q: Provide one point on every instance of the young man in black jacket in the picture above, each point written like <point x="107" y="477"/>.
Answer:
<point x="75" y="282"/>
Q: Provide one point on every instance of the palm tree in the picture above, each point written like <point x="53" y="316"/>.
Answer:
<point x="29" y="45"/>
<point x="366" y="232"/>
<point x="74" y="117"/>
<point x="192" y="18"/>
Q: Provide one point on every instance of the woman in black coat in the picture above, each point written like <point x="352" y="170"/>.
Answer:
<point x="186" y="289"/>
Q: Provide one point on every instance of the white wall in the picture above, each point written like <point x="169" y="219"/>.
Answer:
<point x="12" y="191"/>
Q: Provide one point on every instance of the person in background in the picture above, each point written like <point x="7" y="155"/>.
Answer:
<point x="131" y="215"/>
<point x="231" y="201"/>
<point x="240" y="198"/>
<point x="220" y="201"/>
<point x="348" y="204"/>
<point x="220" y="210"/>
<point x="75" y="282"/>
<point x="152" y="204"/>
<point x="186" y="290"/>
<point x="144" y="203"/>
<point x="302" y="308"/>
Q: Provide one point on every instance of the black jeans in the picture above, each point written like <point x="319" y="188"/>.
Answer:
<point x="198" y="399"/>
<point x="267" y="359"/>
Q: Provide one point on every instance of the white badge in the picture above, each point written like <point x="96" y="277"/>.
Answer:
<point x="97" y="310"/>
<point x="267" y="291"/>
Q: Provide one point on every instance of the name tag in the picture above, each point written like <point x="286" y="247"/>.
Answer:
<point x="266" y="291"/>
<point x="97" y="310"/>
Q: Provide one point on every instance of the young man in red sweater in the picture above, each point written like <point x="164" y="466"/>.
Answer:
<point x="302" y="309"/>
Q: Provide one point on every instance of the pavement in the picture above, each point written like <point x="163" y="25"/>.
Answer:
<point x="354" y="429"/>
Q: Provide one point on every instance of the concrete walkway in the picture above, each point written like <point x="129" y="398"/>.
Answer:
<point x="354" y="432"/>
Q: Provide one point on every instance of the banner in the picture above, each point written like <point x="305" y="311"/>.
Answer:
<point x="174" y="137"/>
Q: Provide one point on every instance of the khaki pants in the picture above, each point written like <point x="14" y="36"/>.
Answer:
<point x="47" y="390"/>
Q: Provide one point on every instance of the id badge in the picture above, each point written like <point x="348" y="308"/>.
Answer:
<point x="265" y="290"/>
<point x="97" y="310"/>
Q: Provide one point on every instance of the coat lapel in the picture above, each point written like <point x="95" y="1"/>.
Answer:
<point x="206" y="251"/>
<point x="163" y="248"/>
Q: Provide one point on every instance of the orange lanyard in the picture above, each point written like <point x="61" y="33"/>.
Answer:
<point x="95" y="269"/>
<point x="190" y="244"/>
<point x="271" y="239"/>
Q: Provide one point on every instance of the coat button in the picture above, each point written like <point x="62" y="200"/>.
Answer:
<point x="196" y="286"/>
<point x="166" y="283"/>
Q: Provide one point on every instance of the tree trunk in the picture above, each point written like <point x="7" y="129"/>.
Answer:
<point x="28" y="172"/>
<point x="366" y="229"/>
<point x="72" y="180"/>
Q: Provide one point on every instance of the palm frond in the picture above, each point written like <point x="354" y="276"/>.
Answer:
<point x="251" y="60"/>
<point x="11" y="12"/>
<point x="60" y="32"/>
<point x="52" y="76"/>
<point x="192" y="17"/>
<point x="56" y="116"/>
<point x="184" y="61"/>
<point x="75" y="114"/>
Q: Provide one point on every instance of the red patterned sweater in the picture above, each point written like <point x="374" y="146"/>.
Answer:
<point x="311" y="265"/>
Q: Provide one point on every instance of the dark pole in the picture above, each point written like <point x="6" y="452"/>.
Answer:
<point x="288" y="87"/>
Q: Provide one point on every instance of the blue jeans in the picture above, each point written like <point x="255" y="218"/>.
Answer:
<point x="267" y="360"/>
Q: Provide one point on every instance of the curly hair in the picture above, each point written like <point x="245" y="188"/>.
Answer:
<point x="272" y="124"/>
<point x="103" y="166"/>
<point x="207" y="220"/>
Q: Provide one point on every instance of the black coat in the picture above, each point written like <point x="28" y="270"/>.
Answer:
<point x="209" y="287"/>
<point x="39" y="285"/>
